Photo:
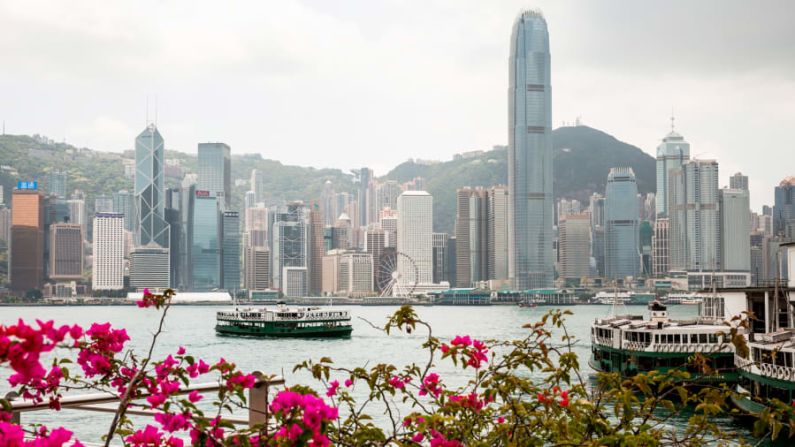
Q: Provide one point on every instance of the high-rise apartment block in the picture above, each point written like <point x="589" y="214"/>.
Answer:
<point x="530" y="154"/>
<point x="499" y="203"/>
<point x="108" y="252"/>
<point x="695" y="216"/>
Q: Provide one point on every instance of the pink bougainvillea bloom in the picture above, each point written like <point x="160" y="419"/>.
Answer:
<point x="348" y="382"/>
<point x="194" y="396"/>
<point x="418" y="437"/>
<point x="181" y="351"/>
<point x="332" y="389"/>
<point x="444" y="348"/>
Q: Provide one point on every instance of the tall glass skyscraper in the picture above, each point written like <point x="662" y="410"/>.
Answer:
<point x="622" y="223"/>
<point x="672" y="153"/>
<point x="206" y="243"/>
<point x="530" y="154"/>
<point x="231" y="250"/>
<point x="215" y="171"/>
<point x="149" y="200"/>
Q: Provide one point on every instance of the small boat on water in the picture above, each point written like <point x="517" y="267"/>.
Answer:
<point x="283" y="321"/>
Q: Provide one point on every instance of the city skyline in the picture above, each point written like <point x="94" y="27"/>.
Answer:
<point x="637" y="114"/>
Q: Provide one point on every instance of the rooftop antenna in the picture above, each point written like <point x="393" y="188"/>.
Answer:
<point x="147" y="111"/>
<point x="672" y="119"/>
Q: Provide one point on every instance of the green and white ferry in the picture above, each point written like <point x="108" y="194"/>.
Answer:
<point x="283" y="321"/>
<point x="632" y="344"/>
<point x="768" y="371"/>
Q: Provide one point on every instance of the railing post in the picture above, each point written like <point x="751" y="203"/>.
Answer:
<point x="258" y="403"/>
<point x="16" y="416"/>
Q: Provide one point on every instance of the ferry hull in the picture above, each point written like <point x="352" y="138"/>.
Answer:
<point x="283" y="331"/>
<point x="624" y="362"/>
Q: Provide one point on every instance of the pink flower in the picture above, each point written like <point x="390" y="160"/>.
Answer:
<point x="238" y="379"/>
<point x="149" y="436"/>
<point x="348" y="382"/>
<point x="194" y="396"/>
<point x="418" y="437"/>
<point x="444" y="348"/>
<point x="173" y="422"/>
<point x="461" y="341"/>
<point x="397" y="382"/>
<point x="500" y="420"/>
<point x="430" y="385"/>
<point x="332" y="389"/>
<point x="181" y="351"/>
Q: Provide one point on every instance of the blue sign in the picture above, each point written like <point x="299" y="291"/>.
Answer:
<point x="28" y="185"/>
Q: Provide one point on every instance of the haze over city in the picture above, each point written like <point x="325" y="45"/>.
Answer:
<point x="344" y="84"/>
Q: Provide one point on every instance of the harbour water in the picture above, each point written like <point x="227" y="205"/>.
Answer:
<point x="193" y="328"/>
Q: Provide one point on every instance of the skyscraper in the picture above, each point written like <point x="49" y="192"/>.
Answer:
<point x="695" y="216"/>
<point x="256" y="265"/>
<point x="316" y="250"/>
<point x="530" y="154"/>
<point x="498" y="204"/>
<point x="230" y="262"/>
<point x="784" y="209"/>
<point x="66" y="252"/>
<point x="365" y="177"/>
<point x="471" y="231"/>
<point x="206" y="243"/>
<point x="56" y="184"/>
<point x="77" y="214"/>
<point x="289" y="247"/>
<point x="258" y="185"/>
<point x="215" y="171"/>
<point x="27" y="240"/>
<point x="671" y="153"/>
<point x="735" y="230"/>
<point x="414" y="238"/>
<point x="108" y="255"/>
<point x="660" y="247"/>
<point x="738" y="181"/>
<point x="439" y="241"/>
<point x="149" y="193"/>
<point x="123" y="204"/>
<point x="575" y="246"/>
<point x="622" y="223"/>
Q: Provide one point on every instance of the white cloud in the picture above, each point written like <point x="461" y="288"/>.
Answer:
<point x="358" y="82"/>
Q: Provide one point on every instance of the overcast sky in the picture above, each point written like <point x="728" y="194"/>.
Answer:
<point x="371" y="83"/>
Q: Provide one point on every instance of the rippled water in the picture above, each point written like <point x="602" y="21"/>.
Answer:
<point x="193" y="328"/>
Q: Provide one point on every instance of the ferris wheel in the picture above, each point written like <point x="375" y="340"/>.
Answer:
<point x="393" y="281"/>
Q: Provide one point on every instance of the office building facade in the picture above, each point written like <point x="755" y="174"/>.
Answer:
<point x="27" y="240"/>
<point x="149" y="192"/>
<point x="215" y="171"/>
<point x="672" y="153"/>
<point x="414" y="238"/>
<point x="66" y="252"/>
<point x="530" y="154"/>
<point x="622" y="224"/>
<point x="108" y="252"/>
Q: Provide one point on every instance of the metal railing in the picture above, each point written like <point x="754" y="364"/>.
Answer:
<point x="258" y="400"/>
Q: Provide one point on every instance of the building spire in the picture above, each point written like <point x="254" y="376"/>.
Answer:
<point x="672" y="119"/>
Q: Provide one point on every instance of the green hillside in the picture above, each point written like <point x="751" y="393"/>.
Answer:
<point x="583" y="157"/>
